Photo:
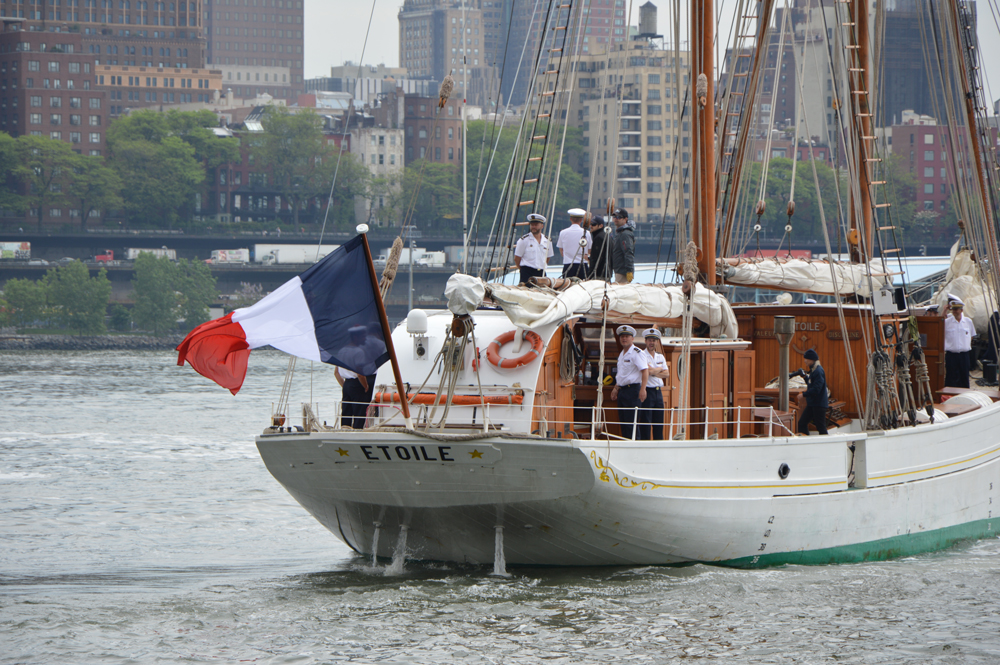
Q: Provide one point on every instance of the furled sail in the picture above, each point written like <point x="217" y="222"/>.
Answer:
<point x="965" y="282"/>
<point x="803" y="275"/>
<point x="527" y="308"/>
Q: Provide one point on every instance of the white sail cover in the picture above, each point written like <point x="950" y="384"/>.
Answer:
<point x="528" y="308"/>
<point x="804" y="275"/>
<point x="965" y="282"/>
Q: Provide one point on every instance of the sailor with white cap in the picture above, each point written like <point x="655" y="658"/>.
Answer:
<point x="958" y="333"/>
<point x="651" y="416"/>
<point x="630" y="380"/>
<point x="354" y="403"/>
<point x="575" y="244"/>
<point x="533" y="249"/>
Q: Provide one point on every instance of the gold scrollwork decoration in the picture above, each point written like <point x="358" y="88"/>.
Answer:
<point x="621" y="481"/>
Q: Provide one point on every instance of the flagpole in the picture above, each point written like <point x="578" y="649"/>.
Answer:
<point x="386" y="333"/>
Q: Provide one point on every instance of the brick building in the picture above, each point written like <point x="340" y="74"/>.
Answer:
<point x="46" y="88"/>
<point x="258" y="48"/>
<point x="432" y="134"/>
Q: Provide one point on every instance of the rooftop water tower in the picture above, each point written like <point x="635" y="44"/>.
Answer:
<point x="647" y="20"/>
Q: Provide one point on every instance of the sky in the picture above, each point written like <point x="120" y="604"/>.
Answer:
<point x="335" y="33"/>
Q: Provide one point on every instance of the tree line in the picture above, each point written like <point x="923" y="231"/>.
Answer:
<point x="168" y="297"/>
<point x="157" y="164"/>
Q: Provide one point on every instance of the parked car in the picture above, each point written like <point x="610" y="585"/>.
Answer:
<point x="38" y="262"/>
<point x="65" y="261"/>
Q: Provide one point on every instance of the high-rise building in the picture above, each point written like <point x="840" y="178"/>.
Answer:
<point x="257" y="45"/>
<point x="603" y="26"/>
<point x="638" y="153"/>
<point x="134" y="33"/>
<point x="441" y="37"/>
<point x="47" y="88"/>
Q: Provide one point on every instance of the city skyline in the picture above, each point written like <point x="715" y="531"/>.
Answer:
<point x="383" y="42"/>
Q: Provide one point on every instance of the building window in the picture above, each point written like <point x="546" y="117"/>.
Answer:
<point x="53" y="66"/>
<point x="653" y="156"/>
<point x="928" y="171"/>
<point x="928" y="205"/>
<point x="929" y="188"/>
<point x="95" y="137"/>
<point x="36" y="101"/>
<point x="451" y="153"/>
<point x="422" y="133"/>
<point x="74" y="137"/>
<point x="653" y="172"/>
<point x="55" y="119"/>
<point x="652" y="203"/>
<point x="56" y="136"/>
<point x="75" y="119"/>
<point x="451" y="133"/>
<point x="35" y="118"/>
<point x="95" y="121"/>
<point x="928" y="139"/>
<point x="437" y="154"/>
<point x="437" y="132"/>
<point x="929" y="155"/>
<point x="654" y="140"/>
<point x="654" y="109"/>
<point x="381" y="159"/>
<point x="95" y="102"/>
<point x="55" y="102"/>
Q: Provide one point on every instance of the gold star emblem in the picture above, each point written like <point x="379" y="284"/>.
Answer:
<point x="476" y="454"/>
<point x="343" y="453"/>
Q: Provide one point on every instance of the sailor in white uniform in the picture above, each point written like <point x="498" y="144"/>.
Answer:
<point x="651" y="416"/>
<point x="958" y="333"/>
<point x="575" y="244"/>
<point x="630" y="380"/>
<point x="533" y="249"/>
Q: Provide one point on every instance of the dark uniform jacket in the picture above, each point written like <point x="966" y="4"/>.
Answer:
<point x="623" y="250"/>
<point x="816" y="391"/>
<point x="599" y="256"/>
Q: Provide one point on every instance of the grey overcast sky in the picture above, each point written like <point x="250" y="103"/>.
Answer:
<point x="335" y="33"/>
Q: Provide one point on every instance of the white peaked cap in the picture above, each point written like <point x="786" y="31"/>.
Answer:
<point x="625" y="330"/>
<point x="576" y="212"/>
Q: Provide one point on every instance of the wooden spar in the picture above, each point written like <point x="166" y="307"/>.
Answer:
<point x="384" y="320"/>
<point x="862" y="123"/>
<point x="703" y="202"/>
<point x="970" y="111"/>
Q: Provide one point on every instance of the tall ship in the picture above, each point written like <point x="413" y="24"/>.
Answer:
<point x="492" y="432"/>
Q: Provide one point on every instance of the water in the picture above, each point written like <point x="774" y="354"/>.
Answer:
<point x="138" y="525"/>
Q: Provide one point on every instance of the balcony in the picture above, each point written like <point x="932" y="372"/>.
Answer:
<point x="630" y="173"/>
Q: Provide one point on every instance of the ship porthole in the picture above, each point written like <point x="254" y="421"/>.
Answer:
<point x="783" y="471"/>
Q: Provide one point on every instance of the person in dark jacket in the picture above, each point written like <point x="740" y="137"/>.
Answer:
<point x="600" y="254"/>
<point x="813" y="402"/>
<point x="622" y="248"/>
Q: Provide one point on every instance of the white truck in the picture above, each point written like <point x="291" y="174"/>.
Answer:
<point x="132" y="253"/>
<point x="404" y="258"/>
<point x="15" y="250"/>
<point x="280" y="254"/>
<point x="230" y="256"/>
<point x="432" y="259"/>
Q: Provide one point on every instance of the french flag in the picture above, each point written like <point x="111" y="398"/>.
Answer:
<point x="329" y="314"/>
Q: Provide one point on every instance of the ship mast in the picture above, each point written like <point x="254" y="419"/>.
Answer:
<point x="703" y="135"/>
<point x="860" y="237"/>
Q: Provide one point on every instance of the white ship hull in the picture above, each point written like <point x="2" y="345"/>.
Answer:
<point x="574" y="502"/>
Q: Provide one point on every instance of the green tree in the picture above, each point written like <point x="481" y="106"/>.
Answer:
<point x="192" y="127"/>
<point x="196" y="286"/>
<point x="432" y="195"/>
<point x="156" y="301"/>
<point x="162" y="178"/>
<point x="80" y="301"/>
<point x="806" y="219"/>
<point x="301" y="163"/>
<point x="95" y="186"/>
<point x="900" y="191"/>
<point x="45" y="170"/>
<point x="26" y="300"/>
<point x="121" y="318"/>
<point x="9" y="161"/>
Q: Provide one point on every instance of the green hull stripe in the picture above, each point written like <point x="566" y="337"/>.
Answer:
<point x="875" y="550"/>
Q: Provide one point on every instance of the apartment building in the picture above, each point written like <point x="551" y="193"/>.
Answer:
<point x="256" y="45"/>
<point x="628" y="104"/>
<point x="46" y="88"/>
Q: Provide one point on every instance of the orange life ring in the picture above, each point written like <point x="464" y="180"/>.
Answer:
<point x="493" y="350"/>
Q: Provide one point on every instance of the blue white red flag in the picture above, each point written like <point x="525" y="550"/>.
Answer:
<point x="329" y="313"/>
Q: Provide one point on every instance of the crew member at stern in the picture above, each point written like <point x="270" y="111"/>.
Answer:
<point x="631" y="379"/>
<point x="533" y="250"/>
<point x="354" y="403"/>
<point x="958" y="333"/>
<point x="651" y="416"/>
<point x="814" y="401"/>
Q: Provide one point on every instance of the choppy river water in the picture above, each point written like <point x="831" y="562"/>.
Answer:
<point x="138" y="525"/>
